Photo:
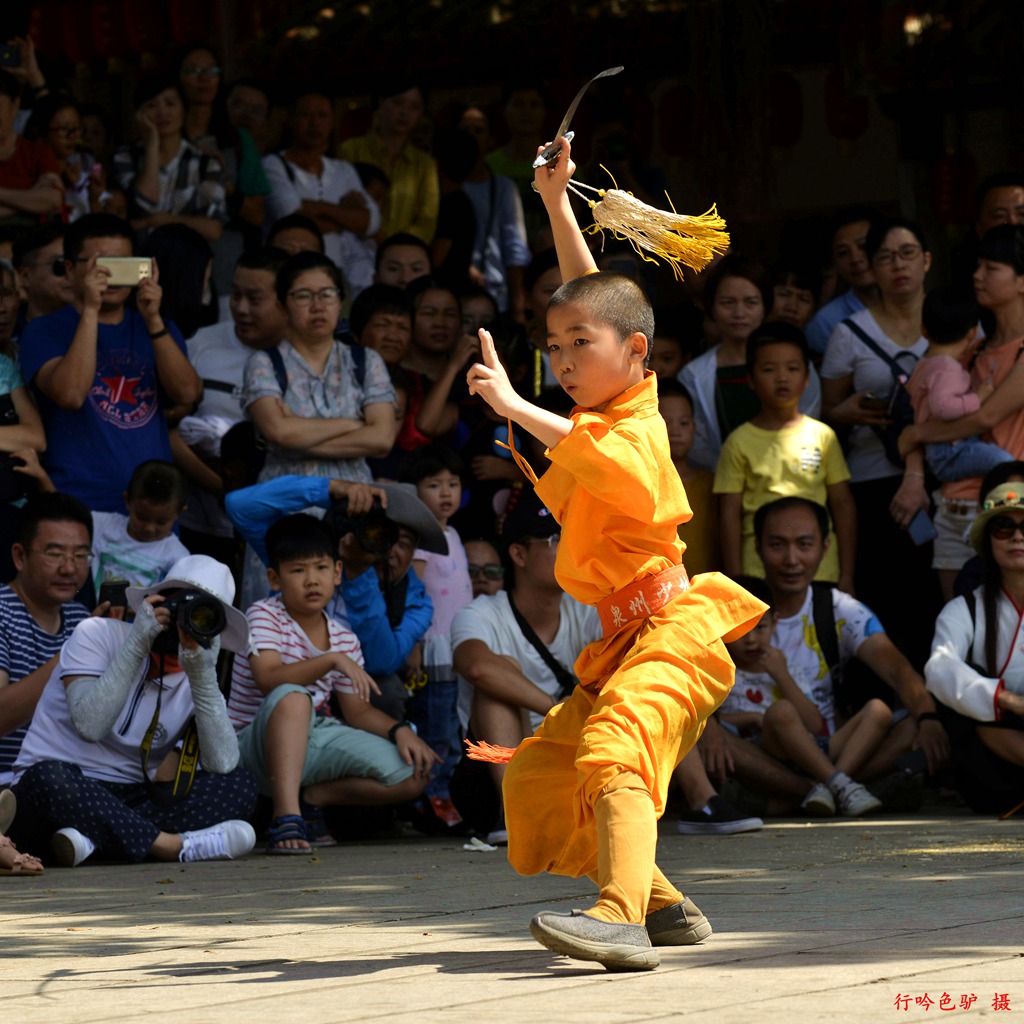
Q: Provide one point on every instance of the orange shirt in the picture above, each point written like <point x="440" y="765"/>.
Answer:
<point x="618" y="497"/>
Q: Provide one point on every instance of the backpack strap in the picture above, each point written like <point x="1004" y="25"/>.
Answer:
<point x="277" y="361"/>
<point x="287" y="167"/>
<point x="359" y="358"/>
<point x="824" y="620"/>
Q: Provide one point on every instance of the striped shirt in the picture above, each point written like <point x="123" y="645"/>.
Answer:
<point x="273" y="629"/>
<point x="24" y="646"/>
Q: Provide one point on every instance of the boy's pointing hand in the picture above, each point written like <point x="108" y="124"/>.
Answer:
<point x="489" y="379"/>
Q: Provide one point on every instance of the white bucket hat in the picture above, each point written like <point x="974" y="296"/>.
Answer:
<point x="200" y="572"/>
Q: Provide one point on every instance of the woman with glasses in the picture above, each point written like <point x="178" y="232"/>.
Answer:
<point x="208" y="126"/>
<point x="866" y="353"/>
<point x="976" y="671"/>
<point x="169" y="180"/>
<point x="319" y="411"/>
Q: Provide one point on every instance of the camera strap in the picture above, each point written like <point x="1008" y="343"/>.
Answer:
<point x="188" y="760"/>
<point x="565" y="679"/>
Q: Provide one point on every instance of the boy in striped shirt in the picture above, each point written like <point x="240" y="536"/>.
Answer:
<point x="303" y="757"/>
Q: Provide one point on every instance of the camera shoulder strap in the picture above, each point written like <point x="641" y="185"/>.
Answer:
<point x="188" y="761"/>
<point x="565" y="679"/>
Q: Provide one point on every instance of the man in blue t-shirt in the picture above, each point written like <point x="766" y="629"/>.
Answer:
<point x="51" y="552"/>
<point x="103" y="372"/>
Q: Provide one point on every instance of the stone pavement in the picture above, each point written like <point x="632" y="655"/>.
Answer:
<point x="833" y="921"/>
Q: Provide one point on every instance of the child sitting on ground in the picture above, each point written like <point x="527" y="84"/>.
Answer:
<point x="436" y="472"/>
<point x="303" y="758"/>
<point x="940" y="387"/>
<point x="700" y="534"/>
<point x="140" y="547"/>
<point x="583" y="794"/>
<point x="782" y="453"/>
<point x="766" y="704"/>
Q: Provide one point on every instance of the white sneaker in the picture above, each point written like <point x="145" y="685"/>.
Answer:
<point x="498" y="837"/>
<point x="855" y="800"/>
<point x="819" y="801"/>
<point x="224" y="841"/>
<point x="69" y="847"/>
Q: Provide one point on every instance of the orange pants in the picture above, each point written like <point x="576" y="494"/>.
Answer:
<point x="671" y="671"/>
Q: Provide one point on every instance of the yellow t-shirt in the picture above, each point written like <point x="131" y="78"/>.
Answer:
<point x="700" y="534"/>
<point x="764" y="465"/>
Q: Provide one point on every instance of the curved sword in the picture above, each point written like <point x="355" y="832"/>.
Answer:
<point x="550" y="153"/>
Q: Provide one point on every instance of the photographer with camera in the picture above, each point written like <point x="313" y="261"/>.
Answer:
<point x="98" y="764"/>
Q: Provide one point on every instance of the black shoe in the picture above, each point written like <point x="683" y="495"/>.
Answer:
<point x="723" y="820"/>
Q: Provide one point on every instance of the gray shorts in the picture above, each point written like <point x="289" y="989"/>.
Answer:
<point x="952" y="520"/>
<point x="333" y="750"/>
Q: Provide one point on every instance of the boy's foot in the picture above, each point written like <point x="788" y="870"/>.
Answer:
<point x="681" y="924"/>
<point x="69" y="847"/>
<point x="819" y="802"/>
<point x="288" y="836"/>
<point x="224" y="841"/>
<point x="619" y="947"/>
<point x="498" y="837"/>
<point x="317" y="832"/>
<point x="854" y="800"/>
<point x="719" y="818"/>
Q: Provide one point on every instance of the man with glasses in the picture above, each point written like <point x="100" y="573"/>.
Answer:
<point x="102" y="372"/>
<point x="39" y="259"/>
<point x="38" y="612"/>
<point x="514" y="650"/>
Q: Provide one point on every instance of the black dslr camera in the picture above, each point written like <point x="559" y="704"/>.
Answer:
<point x="198" y="615"/>
<point x="374" y="532"/>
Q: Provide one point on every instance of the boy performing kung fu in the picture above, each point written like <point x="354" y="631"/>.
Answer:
<point x="583" y="795"/>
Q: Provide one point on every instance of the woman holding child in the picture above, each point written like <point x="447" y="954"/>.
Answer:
<point x="996" y="369"/>
<point x="865" y="355"/>
<point x="976" y="669"/>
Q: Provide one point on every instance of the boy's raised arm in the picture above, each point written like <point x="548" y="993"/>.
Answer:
<point x="552" y="180"/>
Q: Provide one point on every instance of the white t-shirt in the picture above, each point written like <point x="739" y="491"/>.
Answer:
<point x="798" y="641"/>
<point x="273" y="629"/>
<point x="217" y="356"/>
<point x="489" y="618"/>
<point x="116" y="758"/>
<point x="847" y="355"/>
<point x="120" y="557"/>
<point x="752" y="691"/>
<point x="338" y="178"/>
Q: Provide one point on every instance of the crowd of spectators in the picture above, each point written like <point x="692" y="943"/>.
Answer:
<point x="278" y="408"/>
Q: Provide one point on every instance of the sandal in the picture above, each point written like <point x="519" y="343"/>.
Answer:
<point x="14" y="863"/>
<point x="317" y="832"/>
<point x="287" y="828"/>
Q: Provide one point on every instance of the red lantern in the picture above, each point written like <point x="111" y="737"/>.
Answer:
<point x="76" y="32"/>
<point x="108" y="31"/>
<point x="846" y="115"/>
<point x="144" y="23"/>
<point x="44" y="29"/>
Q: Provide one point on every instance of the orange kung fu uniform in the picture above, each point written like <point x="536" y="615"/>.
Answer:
<point x="646" y="688"/>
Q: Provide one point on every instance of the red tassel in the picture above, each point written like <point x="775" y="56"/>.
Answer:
<point x="489" y="752"/>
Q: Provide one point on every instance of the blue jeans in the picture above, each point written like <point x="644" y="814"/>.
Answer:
<point x="961" y="460"/>
<point x="434" y="709"/>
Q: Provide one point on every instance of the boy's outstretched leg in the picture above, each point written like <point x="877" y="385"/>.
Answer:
<point x="612" y="932"/>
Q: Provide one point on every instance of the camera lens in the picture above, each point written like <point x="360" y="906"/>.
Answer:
<point x="201" y="617"/>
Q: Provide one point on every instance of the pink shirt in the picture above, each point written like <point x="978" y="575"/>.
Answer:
<point x="940" y="389"/>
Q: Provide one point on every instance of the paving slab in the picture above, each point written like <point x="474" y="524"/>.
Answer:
<point x="885" y="919"/>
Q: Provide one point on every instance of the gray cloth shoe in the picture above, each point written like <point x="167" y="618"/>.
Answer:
<point x="619" y="947"/>
<point x="681" y="924"/>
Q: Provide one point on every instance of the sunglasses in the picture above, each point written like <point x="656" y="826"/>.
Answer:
<point x="489" y="572"/>
<point x="1003" y="527"/>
